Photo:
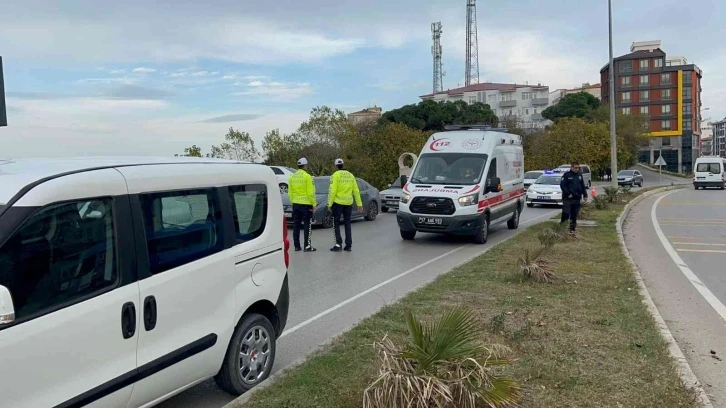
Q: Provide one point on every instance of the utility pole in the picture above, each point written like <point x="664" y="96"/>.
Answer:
<point x="472" y="45"/>
<point x="3" y="113"/>
<point x="613" y="139"/>
<point x="436" y="51"/>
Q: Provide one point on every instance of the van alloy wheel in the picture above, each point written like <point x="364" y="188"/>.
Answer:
<point x="254" y="355"/>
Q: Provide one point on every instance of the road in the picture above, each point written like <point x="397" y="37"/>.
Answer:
<point x="678" y="241"/>
<point x="331" y="292"/>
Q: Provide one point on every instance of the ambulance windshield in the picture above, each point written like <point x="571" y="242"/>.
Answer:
<point x="449" y="168"/>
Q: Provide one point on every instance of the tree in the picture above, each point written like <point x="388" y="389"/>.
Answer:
<point x="237" y="146"/>
<point x="631" y="128"/>
<point x="320" y="138"/>
<point x="282" y="150"/>
<point x="430" y="115"/>
<point x="193" y="151"/>
<point x="578" y="105"/>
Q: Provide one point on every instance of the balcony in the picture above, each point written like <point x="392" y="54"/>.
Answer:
<point x="540" y="101"/>
<point x="508" y="104"/>
<point x="537" y="116"/>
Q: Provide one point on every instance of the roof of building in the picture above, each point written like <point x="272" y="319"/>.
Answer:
<point x="486" y="86"/>
<point x="637" y="55"/>
<point x="368" y="111"/>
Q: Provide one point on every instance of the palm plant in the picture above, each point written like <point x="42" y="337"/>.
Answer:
<point x="444" y="364"/>
<point x="549" y="237"/>
<point x="613" y="194"/>
<point x="600" y="202"/>
<point x="585" y="211"/>
<point x="533" y="267"/>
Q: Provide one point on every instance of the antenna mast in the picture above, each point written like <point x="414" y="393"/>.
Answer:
<point x="436" y="51"/>
<point x="472" y="45"/>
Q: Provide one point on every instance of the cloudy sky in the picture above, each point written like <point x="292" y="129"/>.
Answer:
<point x="150" y="78"/>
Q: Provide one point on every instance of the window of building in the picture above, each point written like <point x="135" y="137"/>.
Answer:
<point x="687" y="77"/>
<point x="625" y="81"/>
<point x="534" y="111"/>
<point x="61" y="254"/>
<point x="472" y="100"/>
<point x="687" y="93"/>
<point x="658" y="62"/>
<point x="665" y="109"/>
<point x="626" y="66"/>
<point x="492" y="98"/>
<point x="625" y="96"/>
<point x="643" y="110"/>
<point x="644" y="96"/>
<point x="526" y="111"/>
<point x="666" y="141"/>
<point x="644" y="65"/>
<point x="687" y="108"/>
<point x="181" y="227"/>
<point x="527" y="96"/>
<point x="665" y="78"/>
<point x="687" y="125"/>
<point x="249" y="209"/>
<point x="626" y="111"/>
<point x="665" y="94"/>
<point x="665" y="125"/>
<point x="644" y="80"/>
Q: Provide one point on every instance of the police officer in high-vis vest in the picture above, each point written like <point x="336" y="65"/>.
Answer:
<point x="302" y="196"/>
<point x="343" y="192"/>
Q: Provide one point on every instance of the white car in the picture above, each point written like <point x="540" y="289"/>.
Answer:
<point x="125" y="281"/>
<point x="546" y="190"/>
<point x="283" y="176"/>
<point x="531" y="176"/>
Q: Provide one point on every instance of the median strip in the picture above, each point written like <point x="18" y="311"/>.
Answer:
<point x="584" y="340"/>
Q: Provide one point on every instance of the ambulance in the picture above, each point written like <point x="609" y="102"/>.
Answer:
<point x="466" y="180"/>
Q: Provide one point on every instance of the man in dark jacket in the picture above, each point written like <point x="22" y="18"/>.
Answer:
<point x="573" y="191"/>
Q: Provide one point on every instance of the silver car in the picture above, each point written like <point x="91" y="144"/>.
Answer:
<point x="391" y="197"/>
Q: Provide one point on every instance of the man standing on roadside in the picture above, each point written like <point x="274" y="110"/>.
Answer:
<point x="302" y="196"/>
<point x="343" y="191"/>
<point x="573" y="192"/>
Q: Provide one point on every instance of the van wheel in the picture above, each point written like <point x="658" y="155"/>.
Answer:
<point x="283" y="188"/>
<point x="513" y="222"/>
<point x="372" y="211"/>
<point x="482" y="235"/>
<point x="408" y="235"/>
<point x="250" y="355"/>
<point x="722" y="186"/>
<point x="589" y="184"/>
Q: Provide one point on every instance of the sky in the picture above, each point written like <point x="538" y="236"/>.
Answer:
<point x="151" y="78"/>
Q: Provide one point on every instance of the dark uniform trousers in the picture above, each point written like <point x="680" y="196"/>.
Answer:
<point x="301" y="216"/>
<point x="570" y="210"/>
<point x="345" y="211"/>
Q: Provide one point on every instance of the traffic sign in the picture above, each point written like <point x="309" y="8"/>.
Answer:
<point x="660" y="162"/>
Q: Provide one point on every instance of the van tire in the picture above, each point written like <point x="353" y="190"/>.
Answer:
<point x="722" y="186"/>
<point x="513" y="222"/>
<point x="408" y="235"/>
<point x="589" y="184"/>
<point x="482" y="235"/>
<point x="228" y="378"/>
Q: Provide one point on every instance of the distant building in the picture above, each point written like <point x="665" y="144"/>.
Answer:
<point x="668" y="91"/>
<point x="594" y="90"/>
<point x="706" y="146"/>
<point x="523" y="103"/>
<point x="368" y="114"/>
<point x="719" y="138"/>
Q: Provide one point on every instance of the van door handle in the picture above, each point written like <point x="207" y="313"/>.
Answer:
<point x="128" y="320"/>
<point x="150" y="313"/>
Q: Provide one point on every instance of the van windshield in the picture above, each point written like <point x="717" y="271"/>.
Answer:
<point x="449" y="168"/>
<point x="532" y="175"/>
<point x="396" y="183"/>
<point x="714" y="168"/>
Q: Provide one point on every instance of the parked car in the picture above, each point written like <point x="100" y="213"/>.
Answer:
<point x="546" y="190"/>
<point x="531" y="176"/>
<point x="283" y="176"/>
<point x="630" y="178"/>
<point x="391" y="197"/>
<point x="710" y="172"/>
<point x="321" y="217"/>
<point x="126" y="281"/>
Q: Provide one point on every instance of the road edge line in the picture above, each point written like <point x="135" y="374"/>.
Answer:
<point x="244" y="398"/>
<point x="688" y="378"/>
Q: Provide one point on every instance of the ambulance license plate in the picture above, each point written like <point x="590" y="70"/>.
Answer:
<point x="430" y="221"/>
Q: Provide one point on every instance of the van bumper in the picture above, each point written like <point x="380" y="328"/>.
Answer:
<point x="718" y="184"/>
<point x="452" y="225"/>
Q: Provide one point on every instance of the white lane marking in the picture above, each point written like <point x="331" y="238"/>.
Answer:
<point x="687" y="272"/>
<point x="386" y="282"/>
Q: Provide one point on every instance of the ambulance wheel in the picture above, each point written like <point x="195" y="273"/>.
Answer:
<point x="513" y="222"/>
<point x="482" y="234"/>
<point x="408" y="235"/>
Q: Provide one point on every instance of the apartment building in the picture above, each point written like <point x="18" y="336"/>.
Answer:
<point x="523" y="103"/>
<point x="594" y="90"/>
<point x="668" y="91"/>
<point x="719" y="138"/>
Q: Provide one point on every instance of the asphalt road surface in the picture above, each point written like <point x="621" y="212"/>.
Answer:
<point x="678" y="241"/>
<point x="331" y="292"/>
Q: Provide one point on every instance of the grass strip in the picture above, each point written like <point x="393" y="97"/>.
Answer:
<point x="586" y="340"/>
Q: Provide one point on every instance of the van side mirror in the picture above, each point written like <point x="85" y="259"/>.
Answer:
<point x="494" y="185"/>
<point x="7" y="311"/>
<point x="404" y="180"/>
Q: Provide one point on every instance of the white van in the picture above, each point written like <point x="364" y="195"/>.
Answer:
<point x="126" y="281"/>
<point x="709" y="171"/>
<point x="464" y="181"/>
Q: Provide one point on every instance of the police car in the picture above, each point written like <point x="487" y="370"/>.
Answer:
<point x="546" y="190"/>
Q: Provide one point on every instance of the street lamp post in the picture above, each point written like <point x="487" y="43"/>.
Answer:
<point x="613" y="140"/>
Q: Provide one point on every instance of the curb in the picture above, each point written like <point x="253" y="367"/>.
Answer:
<point x="688" y="378"/>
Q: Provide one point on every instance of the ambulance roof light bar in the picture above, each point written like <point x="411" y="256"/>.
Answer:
<point x="474" y="127"/>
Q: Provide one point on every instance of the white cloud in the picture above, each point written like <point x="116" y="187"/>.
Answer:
<point x="229" y="77"/>
<point x="204" y="73"/>
<point x="277" y="90"/>
<point x="256" y="83"/>
<point x="143" y="70"/>
<point x="117" y="71"/>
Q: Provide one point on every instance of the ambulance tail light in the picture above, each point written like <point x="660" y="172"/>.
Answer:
<point x="285" y="242"/>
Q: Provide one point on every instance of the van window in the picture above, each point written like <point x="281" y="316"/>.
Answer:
<point x="585" y="170"/>
<point x="492" y="171"/>
<point x="449" y="168"/>
<point x="277" y="171"/>
<point x="181" y="227"/>
<point x="61" y="254"/>
<point x="714" y="168"/>
<point x="249" y="209"/>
